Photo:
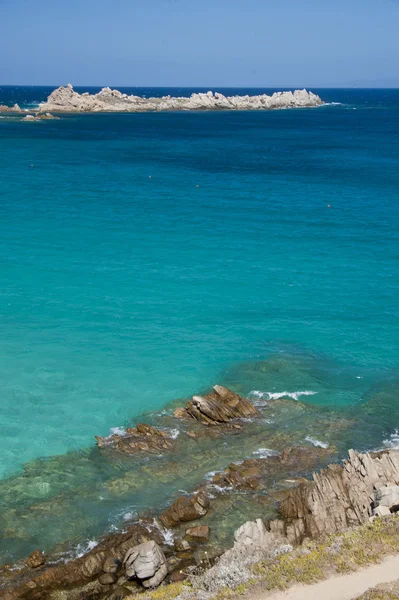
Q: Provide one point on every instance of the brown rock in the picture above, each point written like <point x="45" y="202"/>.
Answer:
<point x="107" y="579"/>
<point x="180" y="413"/>
<point x="220" y="407"/>
<point x="182" y="545"/>
<point x="177" y="576"/>
<point x="120" y="593"/>
<point x="185" y="508"/>
<point x="111" y="565"/>
<point x="198" y="534"/>
<point x="36" y="559"/>
<point x="142" y="438"/>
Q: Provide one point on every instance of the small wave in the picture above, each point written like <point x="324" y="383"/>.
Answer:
<point x="209" y="476"/>
<point x="392" y="443"/>
<point x="118" y="431"/>
<point x="85" y="547"/>
<point x="167" y="534"/>
<point x="174" y="433"/>
<point x="316" y="442"/>
<point x="261" y="398"/>
<point x="264" y="453"/>
<point x="220" y="489"/>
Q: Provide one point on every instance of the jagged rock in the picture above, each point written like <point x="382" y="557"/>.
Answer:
<point x="387" y="496"/>
<point x="47" y="116"/>
<point x="252" y="533"/>
<point x="219" y="407"/>
<point x="198" y="534"/>
<point x="111" y="565"/>
<point x="147" y="562"/>
<point x="15" y="108"/>
<point x="39" y="117"/>
<point x="142" y="438"/>
<point x="253" y="536"/>
<point x="185" y="508"/>
<point x="180" y="412"/>
<point x="338" y="497"/>
<point x="36" y="559"/>
<point x="65" y="99"/>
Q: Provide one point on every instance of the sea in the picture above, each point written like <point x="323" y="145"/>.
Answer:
<point x="146" y="257"/>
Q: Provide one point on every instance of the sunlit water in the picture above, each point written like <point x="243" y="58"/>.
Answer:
<point x="146" y="256"/>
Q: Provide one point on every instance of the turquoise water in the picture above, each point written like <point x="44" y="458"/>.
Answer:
<point x="144" y="255"/>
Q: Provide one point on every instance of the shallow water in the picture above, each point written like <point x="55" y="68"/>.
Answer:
<point x="125" y="286"/>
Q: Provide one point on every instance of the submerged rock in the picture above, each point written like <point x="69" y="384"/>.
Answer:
<point x="142" y="438"/>
<point x="39" y="117"/>
<point x="254" y="473"/>
<point x="67" y="100"/>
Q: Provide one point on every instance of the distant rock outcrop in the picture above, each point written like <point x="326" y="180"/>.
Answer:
<point x="10" y="109"/>
<point x="65" y="99"/>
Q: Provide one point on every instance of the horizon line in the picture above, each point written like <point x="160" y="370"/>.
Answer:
<point x="254" y="87"/>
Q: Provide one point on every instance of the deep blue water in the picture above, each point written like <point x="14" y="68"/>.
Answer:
<point x="142" y="255"/>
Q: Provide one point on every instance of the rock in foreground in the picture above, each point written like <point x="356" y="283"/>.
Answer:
<point x="65" y="99"/>
<point x="340" y="496"/>
<point x="147" y="562"/>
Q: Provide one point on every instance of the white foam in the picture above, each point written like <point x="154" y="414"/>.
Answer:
<point x="316" y="442"/>
<point x="264" y="397"/>
<point x="264" y="453"/>
<point x="167" y="534"/>
<point x="220" y="489"/>
<point x="211" y="475"/>
<point x="118" y="431"/>
<point x="174" y="433"/>
<point x="392" y="443"/>
<point x="85" y="547"/>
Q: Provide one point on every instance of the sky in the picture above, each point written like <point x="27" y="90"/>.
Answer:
<point x="249" y="43"/>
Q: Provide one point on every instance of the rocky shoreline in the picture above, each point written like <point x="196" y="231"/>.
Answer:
<point x="169" y="544"/>
<point x="65" y="99"/>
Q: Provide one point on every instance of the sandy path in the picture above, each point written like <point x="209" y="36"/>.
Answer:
<point x="340" y="587"/>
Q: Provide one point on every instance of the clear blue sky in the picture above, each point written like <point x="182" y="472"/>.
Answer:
<point x="200" y="42"/>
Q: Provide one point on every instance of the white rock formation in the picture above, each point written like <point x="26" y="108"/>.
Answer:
<point x="147" y="562"/>
<point x="65" y="99"/>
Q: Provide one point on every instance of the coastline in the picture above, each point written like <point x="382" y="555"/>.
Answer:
<point x="193" y="529"/>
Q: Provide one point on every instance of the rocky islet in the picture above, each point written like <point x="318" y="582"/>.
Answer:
<point x="66" y="99"/>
